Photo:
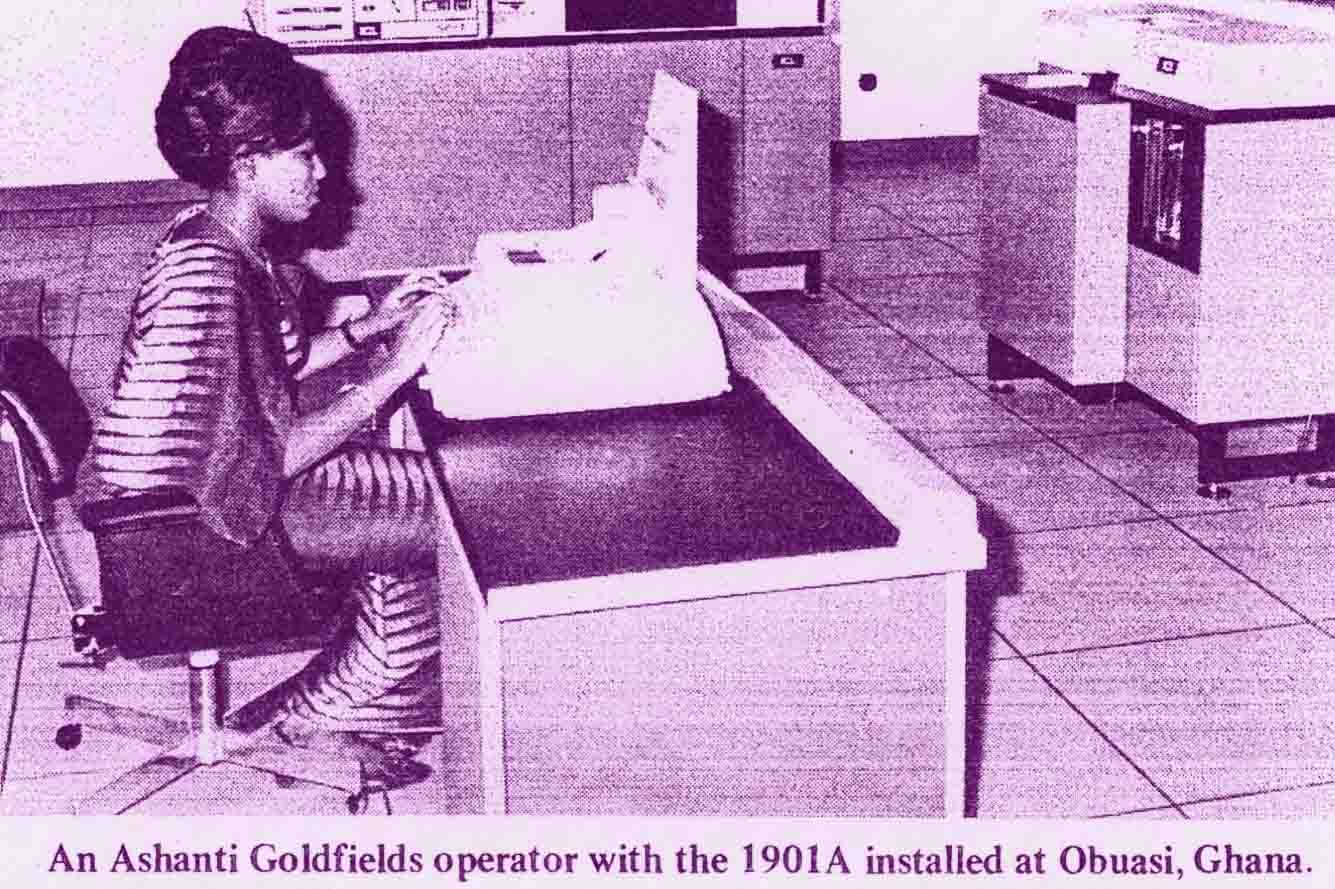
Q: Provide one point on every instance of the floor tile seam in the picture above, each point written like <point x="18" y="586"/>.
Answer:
<point x="1044" y="436"/>
<point x="264" y="770"/>
<point x="1001" y="442"/>
<point x="887" y="381"/>
<point x="1169" y="517"/>
<point x="1059" y="439"/>
<point x="1166" y="516"/>
<point x="1314" y="623"/>
<point x="1188" y="514"/>
<point x="951" y="371"/>
<point x="1145" y="810"/>
<point x="1081" y="526"/>
<point x="62" y="773"/>
<point x="1059" y="442"/>
<point x="1253" y="794"/>
<point x="155" y="791"/>
<point x="1043" y="677"/>
<point x="18" y="672"/>
<point x="1158" y="640"/>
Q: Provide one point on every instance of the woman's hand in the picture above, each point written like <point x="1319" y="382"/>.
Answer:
<point x="401" y="303"/>
<point x="415" y="340"/>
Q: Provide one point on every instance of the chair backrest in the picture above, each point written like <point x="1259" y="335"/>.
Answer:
<point x="169" y="584"/>
<point x="40" y="401"/>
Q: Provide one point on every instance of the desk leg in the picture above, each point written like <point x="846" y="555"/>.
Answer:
<point x="956" y="642"/>
<point x="493" y="717"/>
<point x="469" y="682"/>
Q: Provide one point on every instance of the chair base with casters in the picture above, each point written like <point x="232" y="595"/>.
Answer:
<point x="169" y="587"/>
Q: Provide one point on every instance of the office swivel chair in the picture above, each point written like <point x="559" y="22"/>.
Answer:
<point x="169" y="585"/>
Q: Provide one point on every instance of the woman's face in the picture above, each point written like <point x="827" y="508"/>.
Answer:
<point x="286" y="183"/>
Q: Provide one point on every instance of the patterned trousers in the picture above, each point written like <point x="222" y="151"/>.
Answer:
<point x="366" y="516"/>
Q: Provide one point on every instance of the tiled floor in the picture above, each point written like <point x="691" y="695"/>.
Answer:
<point x="1144" y="652"/>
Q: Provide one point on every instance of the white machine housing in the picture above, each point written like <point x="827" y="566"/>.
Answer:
<point x="1206" y="57"/>
<point x="603" y="315"/>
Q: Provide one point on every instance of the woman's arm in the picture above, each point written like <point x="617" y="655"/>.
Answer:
<point x="332" y="345"/>
<point x="315" y="435"/>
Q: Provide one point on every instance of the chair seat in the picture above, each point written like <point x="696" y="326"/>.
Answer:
<point x="170" y="584"/>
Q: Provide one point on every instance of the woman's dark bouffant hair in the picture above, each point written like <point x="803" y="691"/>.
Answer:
<point x="229" y="93"/>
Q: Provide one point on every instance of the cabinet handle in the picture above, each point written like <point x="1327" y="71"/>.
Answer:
<point x="788" y="59"/>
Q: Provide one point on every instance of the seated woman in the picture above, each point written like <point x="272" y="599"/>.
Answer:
<point x="205" y="393"/>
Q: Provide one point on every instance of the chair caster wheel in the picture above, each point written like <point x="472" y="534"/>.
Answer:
<point x="358" y="803"/>
<point x="1214" y="491"/>
<point x="284" y="781"/>
<point x="69" y="736"/>
<point x="1001" y="388"/>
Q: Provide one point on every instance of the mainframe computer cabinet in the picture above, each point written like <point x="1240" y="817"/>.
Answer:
<point x="1053" y="217"/>
<point x="452" y="141"/>
<point x="448" y="143"/>
<point x="1239" y="325"/>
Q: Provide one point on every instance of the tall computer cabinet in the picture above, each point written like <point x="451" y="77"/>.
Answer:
<point x="1189" y="253"/>
<point x="1052" y="169"/>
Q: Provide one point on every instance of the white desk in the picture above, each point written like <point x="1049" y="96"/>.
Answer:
<point x="823" y="683"/>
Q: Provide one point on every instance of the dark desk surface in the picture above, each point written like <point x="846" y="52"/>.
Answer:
<point x="609" y="492"/>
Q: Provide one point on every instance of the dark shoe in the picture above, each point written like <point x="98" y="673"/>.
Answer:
<point x="294" y="730"/>
<point x="387" y="772"/>
<point x="385" y="760"/>
<point x="394" y="743"/>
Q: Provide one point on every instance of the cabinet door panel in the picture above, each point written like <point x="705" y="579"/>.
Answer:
<point x="611" y="83"/>
<point x="447" y="145"/>
<point x="434" y="215"/>
<point x="783" y="101"/>
<point x="785" y="197"/>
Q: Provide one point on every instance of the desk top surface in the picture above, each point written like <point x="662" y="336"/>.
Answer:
<point x="609" y="492"/>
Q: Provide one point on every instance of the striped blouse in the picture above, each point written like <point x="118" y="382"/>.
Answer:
<point x="204" y="393"/>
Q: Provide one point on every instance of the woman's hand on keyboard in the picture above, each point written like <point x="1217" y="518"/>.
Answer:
<point x="414" y="341"/>
<point x="400" y="304"/>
